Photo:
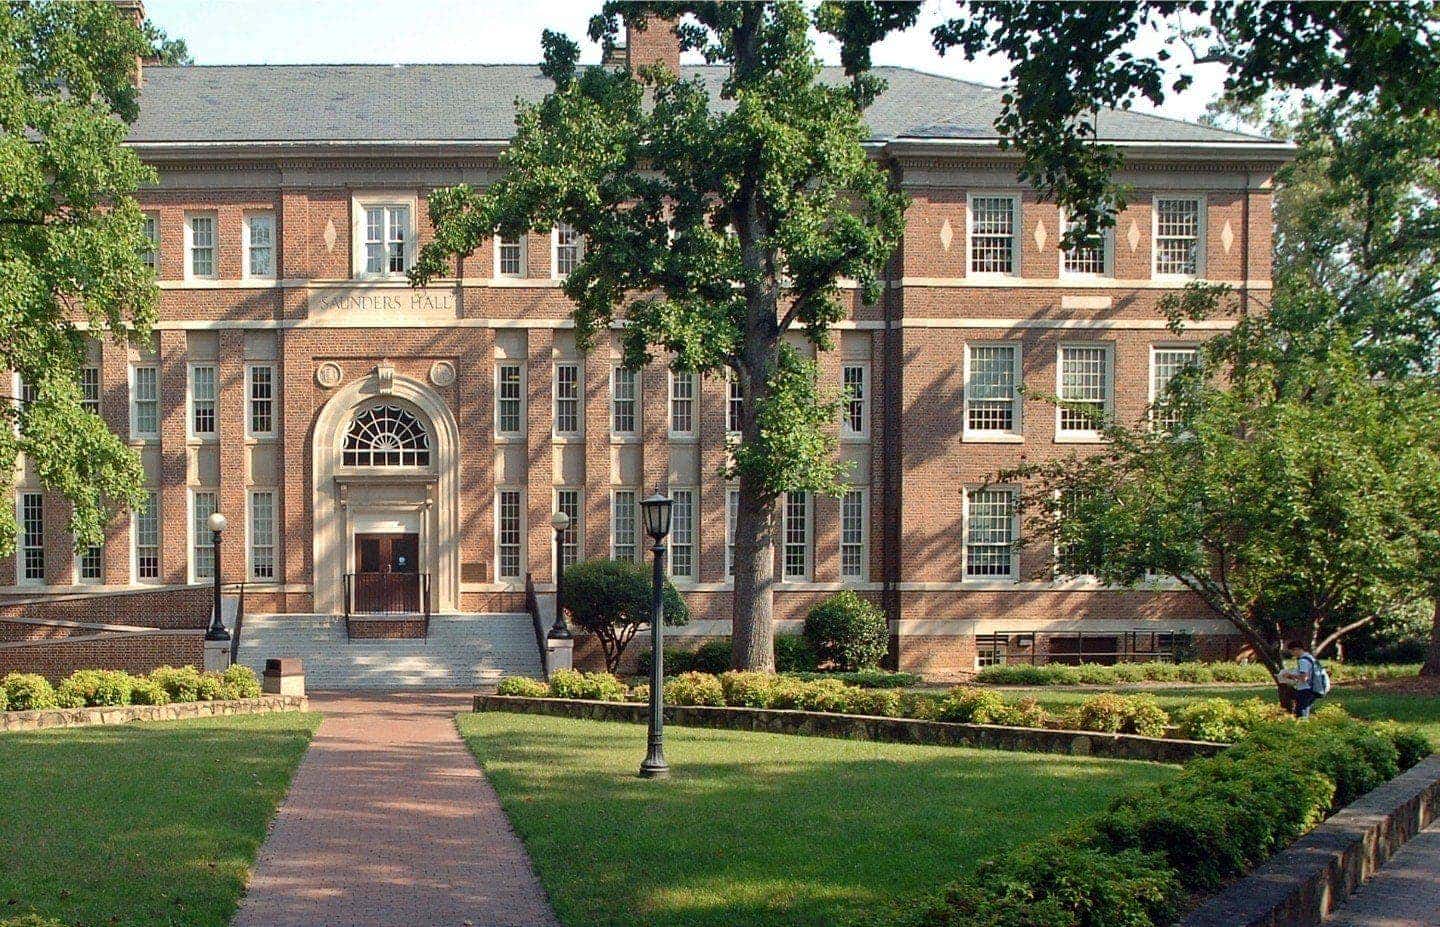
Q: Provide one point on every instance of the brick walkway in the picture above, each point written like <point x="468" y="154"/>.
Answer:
<point x="1404" y="893"/>
<point x="390" y="822"/>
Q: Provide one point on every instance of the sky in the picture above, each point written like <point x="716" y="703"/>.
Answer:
<point x="499" y="31"/>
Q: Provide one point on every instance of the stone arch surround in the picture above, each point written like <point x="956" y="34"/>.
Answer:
<point x="434" y="490"/>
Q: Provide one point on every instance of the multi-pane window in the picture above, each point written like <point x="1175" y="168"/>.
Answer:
<point x="91" y="566"/>
<point x="734" y="404"/>
<point x="260" y="244"/>
<point x="990" y="649"/>
<point x="989" y="534"/>
<point x="145" y="401"/>
<point x="509" y="400"/>
<point x="993" y="234"/>
<point x="1084" y="388"/>
<point x="856" y="399"/>
<point x="568" y="501"/>
<point x="732" y="512"/>
<point x="29" y="392"/>
<point x="32" y="537"/>
<point x="202" y="400"/>
<point x="567" y="399"/>
<point x="623" y="524"/>
<point x="682" y="401"/>
<point x="1177" y="236"/>
<point x="508" y="533"/>
<point x="509" y="256"/>
<point x="262" y="534"/>
<point x="90" y="389"/>
<point x="991" y="399"/>
<point x="624" y="397"/>
<point x="1088" y="259"/>
<point x="201" y="232"/>
<point x="852" y="534"/>
<point x="1071" y="557"/>
<point x="569" y="248"/>
<point x="150" y="228"/>
<point x="386" y="436"/>
<point x="262" y="399"/>
<point x="1165" y="364"/>
<point x="796" y="554"/>
<point x="682" y="534"/>
<point x="202" y="539"/>
<point x="387" y="234"/>
<point x="147" y="537"/>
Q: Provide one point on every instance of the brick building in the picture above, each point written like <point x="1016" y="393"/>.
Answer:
<point x="350" y="425"/>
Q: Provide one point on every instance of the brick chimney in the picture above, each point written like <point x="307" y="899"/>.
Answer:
<point x="134" y="10"/>
<point x="654" y="43"/>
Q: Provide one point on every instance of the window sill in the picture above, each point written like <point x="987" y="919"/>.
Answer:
<point x="626" y="439"/>
<point x="510" y="439"/>
<point x="981" y="437"/>
<point x="567" y="439"/>
<point x="144" y="440"/>
<point x="268" y="437"/>
<point x="683" y="437"/>
<point x="988" y="583"/>
<point x="193" y="441"/>
<point x="1081" y="438"/>
<point x="855" y="439"/>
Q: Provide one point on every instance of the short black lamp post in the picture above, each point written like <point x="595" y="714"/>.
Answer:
<point x="217" y="632"/>
<point x="657" y="525"/>
<point x="559" y="630"/>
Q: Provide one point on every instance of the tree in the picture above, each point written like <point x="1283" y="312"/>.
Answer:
<point x="611" y="600"/>
<point x="713" y="227"/>
<point x="165" y="50"/>
<point x="71" y="245"/>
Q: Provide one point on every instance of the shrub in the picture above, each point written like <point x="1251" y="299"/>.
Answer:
<point x="523" y="687"/>
<point x="694" y="689"/>
<point x="241" y="682"/>
<point x="1025" y="713"/>
<point x="884" y="703"/>
<point x="867" y="679"/>
<point x="94" y="688"/>
<point x="595" y="687"/>
<point x="1015" y="674"/>
<point x="211" y="688"/>
<point x="640" y="693"/>
<point x="848" y="632"/>
<point x="28" y="692"/>
<point x="1411" y="746"/>
<point x="711" y="657"/>
<point x="747" y="690"/>
<point x="825" y="695"/>
<point x="567" y="683"/>
<point x="181" y="683"/>
<point x="611" y="600"/>
<point x="923" y="706"/>
<point x="4" y="700"/>
<point x="786" y="692"/>
<point x="1111" y="713"/>
<point x="968" y="705"/>
<point x="1224" y="721"/>
<point x="793" y="654"/>
<point x="148" y="692"/>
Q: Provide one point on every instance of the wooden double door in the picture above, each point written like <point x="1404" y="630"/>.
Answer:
<point x="387" y="573"/>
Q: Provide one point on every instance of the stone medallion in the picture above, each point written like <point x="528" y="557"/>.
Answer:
<point x="328" y="374"/>
<point x="442" y="373"/>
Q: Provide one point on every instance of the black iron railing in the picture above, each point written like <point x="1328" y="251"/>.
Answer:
<point x="388" y="594"/>
<point x="532" y="605"/>
<point x="1075" y="647"/>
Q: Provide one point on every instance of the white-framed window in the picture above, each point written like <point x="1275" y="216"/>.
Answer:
<point x="90" y="389"/>
<point x="146" y="533"/>
<point x="682" y="534"/>
<point x="202" y="400"/>
<point x="624" y="400"/>
<point x="567" y="399"/>
<point x="387" y="230"/>
<point x="1179" y="236"/>
<point x="202" y="540"/>
<point x="732" y="512"/>
<point x="90" y="564"/>
<point x="624" y="525"/>
<point x="567" y="248"/>
<point x="260" y="245"/>
<point x="386" y="436"/>
<point x="510" y="399"/>
<point x="150" y="228"/>
<point x="1095" y="258"/>
<point x="734" y="403"/>
<point x="990" y="534"/>
<point x="1070" y="560"/>
<point x="856" y="400"/>
<point x="994" y="234"/>
<point x="30" y="512"/>
<point x="27" y="391"/>
<point x="568" y="501"/>
<point x="796" y="554"/>
<point x="682" y="402"/>
<point x="1165" y="364"/>
<point x="854" y="518"/>
<point x="509" y="534"/>
<point x="510" y="256"/>
<point x="260" y="397"/>
<point x="262" y="535"/>
<point x="1085" y="384"/>
<point x="200" y="246"/>
<point x="145" y="401"/>
<point x="992" y="395"/>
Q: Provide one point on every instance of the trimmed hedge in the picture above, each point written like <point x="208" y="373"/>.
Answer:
<point x="1096" y="674"/>
<point x="848" y="632"/>
<point x="109" y="688"/>
<point x="27" y="692"/>
<point x="792" y="655"/>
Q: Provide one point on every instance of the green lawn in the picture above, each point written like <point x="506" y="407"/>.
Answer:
<point x="764" y="829"/>
<point x="151" y="824"/>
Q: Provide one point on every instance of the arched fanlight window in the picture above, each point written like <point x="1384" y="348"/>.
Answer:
<point x="386" y="436"/>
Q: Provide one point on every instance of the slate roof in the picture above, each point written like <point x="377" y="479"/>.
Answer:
<point x="475" y="102"/>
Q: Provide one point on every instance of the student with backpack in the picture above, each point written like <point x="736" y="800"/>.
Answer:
<point x="1309" y="678"/>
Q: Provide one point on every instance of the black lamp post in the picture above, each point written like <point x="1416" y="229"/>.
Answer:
<point x="559" y="630"/>
<point x="217" y="632"/>
<point x="657" y="525"/>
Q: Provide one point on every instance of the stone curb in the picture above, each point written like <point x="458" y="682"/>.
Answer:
<point x="124" y="714"/>
<point x="865" y="727"/>
<point x="1300" y="886"/>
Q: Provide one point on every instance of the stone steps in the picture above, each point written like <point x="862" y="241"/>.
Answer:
<point x="462" y="651"/>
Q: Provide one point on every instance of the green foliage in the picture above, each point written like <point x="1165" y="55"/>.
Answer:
<point x="28" y="692"/>
<point x="1112" y="713"/>
<point x="4" y="699"/>
<point x="747" y="689"/>
<point x="211" y="688"/>
<point x="144" y="691"/>
<point x="881" y="703"/>
<point x="95" y="688"/>
<point x="596" y="687"/>
<point x="523" y="687"/>
<point x="825" y="695"/>
<point x="1062" y="674"/>
<point x="640" y="693"/>
<point x="1223" y="721"/>
<point x="848" y="632"/>
<point x="181" y="683"/>
<point x="241" y="682"/>
<point x="865" y="679"/>
<point x="969" y="705"/>
<point x="30" y="920"/>
<point x="694" y="689"/>
<point x="793" y="654"/>
<point x="611" y="600"/>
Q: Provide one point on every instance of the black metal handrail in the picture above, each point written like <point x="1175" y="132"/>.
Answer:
<point x="423" y="590"/>
<point x="532" y="605"/>
<point x="239" y="623"/>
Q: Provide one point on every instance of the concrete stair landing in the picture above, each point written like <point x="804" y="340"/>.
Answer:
<point x="462" y="651"/>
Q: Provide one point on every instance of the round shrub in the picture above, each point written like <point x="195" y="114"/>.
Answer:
<point x="786" y="692"/>
<point x="1025" y="713"/>
<point x="1105" y="713"/>
<point x="595" y="687"/>
<point x="611" y="600"/>
<point x="567" y="683"/>
<point x="747" y="690"/>
<point x="825" y="695"/>
<point x="241" y="682"/>
<point x="712" y="657"/>
<point x="523" y="687"/>
<point x="883" y="703"/>
<point x="694" y="689"/>
<point x="640" y="693"/>
<point x="793" y="654"/>
<point x="28" y="692"/>
<point x="1145" y="717"/>
<point x="181" y="683"/>
<point x="1211" y="719"/>
<point x="147" y="692"/>
<point x="95" y="688"/>
<point x="968" y="705"/>
<point x="211" y="688"/>
<point x="922" y="706"/>
<point x="848" y="632"/>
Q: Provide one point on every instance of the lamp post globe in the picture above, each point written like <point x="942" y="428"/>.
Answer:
<point x="217" y="523"/>
<point x="559" y="630"/>
<point x="657" y="525"/>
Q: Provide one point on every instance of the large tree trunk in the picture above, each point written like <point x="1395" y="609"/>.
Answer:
<point x="1432" y="658"/>
<point x="752" y="612"/>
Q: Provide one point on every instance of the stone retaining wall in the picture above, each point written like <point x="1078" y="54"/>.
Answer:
<point x="124" y="714"/>
<point x="1302" y="885"/>
<point x="861" y="727"/>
